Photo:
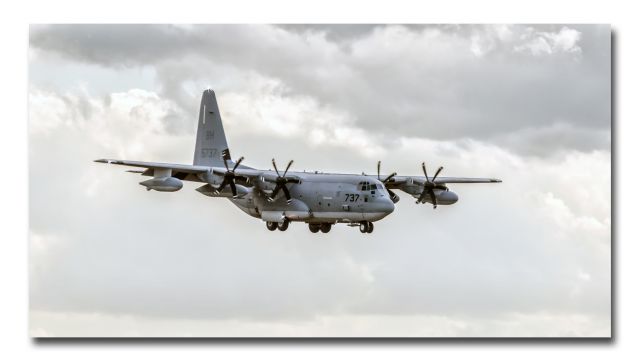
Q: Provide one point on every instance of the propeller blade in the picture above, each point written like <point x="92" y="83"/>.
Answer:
<point x="394" y="197"/>
<point x="287" y="195"/>
<point x="233" y="189"/>
<point x="434" y="200"/>
<point x="424" y="170"/>
<point x="273" y="161"/>
<point x="238" y="163"/>
<point x="423" y="195"/>
<point x="437" y="172"/>
<point x="287" y="169"/>
<point x="388" y="178"/>
<point x="379" y="170"/>
<point x="275" y="191"/>
<point x="224" y="183"/>
<point x="225" y="163"/>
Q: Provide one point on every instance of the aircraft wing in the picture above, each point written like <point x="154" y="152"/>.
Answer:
<point x="398" y="181"/>
<point x="193" y="169"/>
<point x="443" y="180"/>
<point x="182" y="171"/>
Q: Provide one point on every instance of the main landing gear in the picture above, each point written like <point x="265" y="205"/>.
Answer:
<point x="282" y="226"/>
<point x="366" y="227"/>
<point x="323" y="227"/>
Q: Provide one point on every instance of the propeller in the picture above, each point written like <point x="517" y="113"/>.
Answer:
<point x="229" y="177"/>
<point x="281" y="182"/>
<point x="429" y="186"/>
<point x="393" y="196"/>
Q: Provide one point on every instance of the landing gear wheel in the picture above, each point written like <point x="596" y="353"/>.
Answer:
<point x="325" y="227"/>
<point x="370" y="227"/>
<point x="284" y="225"/>
<point x="314" y="228"/>
<point x="272" y="226"/>
<point x="366" y="227"/>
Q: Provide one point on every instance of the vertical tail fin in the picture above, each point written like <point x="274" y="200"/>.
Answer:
<point x="211" y="143"/>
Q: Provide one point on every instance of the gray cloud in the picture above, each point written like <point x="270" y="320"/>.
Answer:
<point x="445" y="82"/>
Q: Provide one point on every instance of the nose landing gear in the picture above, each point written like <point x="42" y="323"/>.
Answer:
<point x="366" y="227"/>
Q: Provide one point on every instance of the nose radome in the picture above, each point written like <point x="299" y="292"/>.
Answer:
<point x="386" y="205"/>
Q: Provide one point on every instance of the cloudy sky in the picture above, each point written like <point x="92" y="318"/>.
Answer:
<point x="527" y="104"/>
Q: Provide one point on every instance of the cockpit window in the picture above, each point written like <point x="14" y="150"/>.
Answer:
<point x="366" y="186"/>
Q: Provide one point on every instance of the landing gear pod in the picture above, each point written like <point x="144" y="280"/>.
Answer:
<point x="166" y="184"/>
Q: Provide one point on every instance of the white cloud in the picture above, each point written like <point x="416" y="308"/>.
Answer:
<point x="314" y="287"/>
<point x="545" y="42"/>
<point x="427" y="76"/>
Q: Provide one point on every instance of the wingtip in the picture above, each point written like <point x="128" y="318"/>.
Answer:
<point x="108" y="161"/>
<point x="496" y="181"/>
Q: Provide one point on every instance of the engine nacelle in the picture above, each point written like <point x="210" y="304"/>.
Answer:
<point x="444" y="197"/>
<point x="264" y="184"/>
<point x="164" y="184"/>
<point x="210" y="191"/>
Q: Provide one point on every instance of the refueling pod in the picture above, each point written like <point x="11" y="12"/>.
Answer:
<point x="162" y="181"/>
<point x="166" y="184"/>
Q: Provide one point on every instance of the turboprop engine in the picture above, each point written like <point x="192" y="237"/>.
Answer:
<point x="444" y="197"/>
<point x="212" y="191"/>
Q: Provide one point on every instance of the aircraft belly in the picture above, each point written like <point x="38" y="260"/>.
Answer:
<point x="345" y="217"/>
<point x="327" y="207"/>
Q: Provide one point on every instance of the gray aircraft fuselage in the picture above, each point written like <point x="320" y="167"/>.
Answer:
<point x="322" y="198"/>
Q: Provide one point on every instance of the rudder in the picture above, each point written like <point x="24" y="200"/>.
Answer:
<point x="211" y="142"/>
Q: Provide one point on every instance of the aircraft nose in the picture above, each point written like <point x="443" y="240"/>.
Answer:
<point x="385" y="205"/>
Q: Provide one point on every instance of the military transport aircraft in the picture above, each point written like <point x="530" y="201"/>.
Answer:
<point x="278" y="196"/>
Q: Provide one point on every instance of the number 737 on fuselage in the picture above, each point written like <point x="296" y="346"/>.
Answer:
<point x="281" y="196"/>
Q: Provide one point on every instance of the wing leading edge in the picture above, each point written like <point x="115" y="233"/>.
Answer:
<point x="398" y="181"/>
<point x="180" y="168"/>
